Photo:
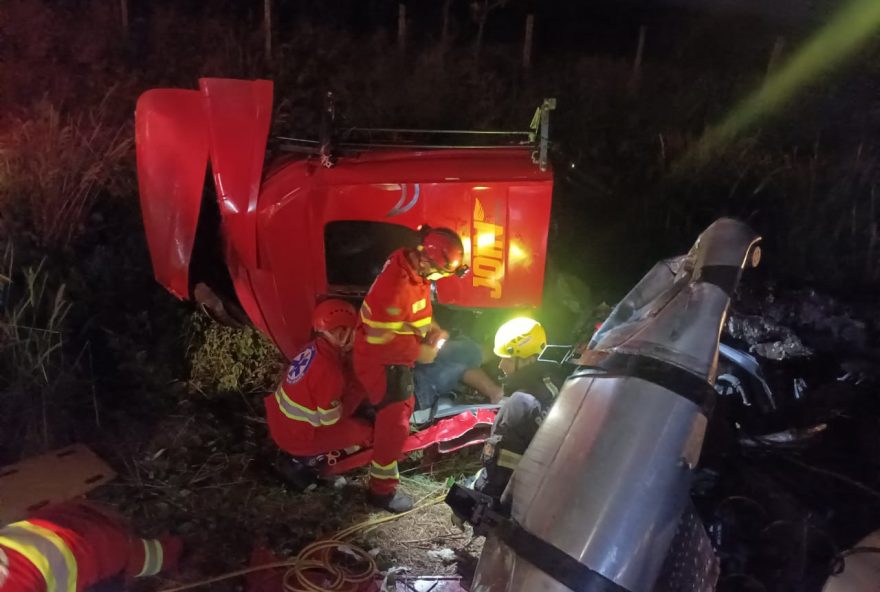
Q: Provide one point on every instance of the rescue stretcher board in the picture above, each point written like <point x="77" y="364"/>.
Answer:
<point x="50" y="478"/>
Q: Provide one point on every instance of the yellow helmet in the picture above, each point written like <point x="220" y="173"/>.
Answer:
<point x="520" y="338"/>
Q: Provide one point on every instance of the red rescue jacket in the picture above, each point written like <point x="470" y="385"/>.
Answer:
<point x="311" y="393"/>
<point x="395" y="316"/>
<point x="73" y="545"/>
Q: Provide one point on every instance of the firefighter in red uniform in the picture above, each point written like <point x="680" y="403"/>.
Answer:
<point x="72" y="546"/>
<point x="311" y="413"/>
<point x="395" y="332"/>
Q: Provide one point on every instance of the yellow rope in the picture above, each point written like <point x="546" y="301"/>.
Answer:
<point x="317" y="557"/>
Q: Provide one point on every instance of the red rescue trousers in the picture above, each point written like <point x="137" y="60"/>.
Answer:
<point x="302" y="439"/>
<point x="391" y="428"/>
<point x="73" y="545"/>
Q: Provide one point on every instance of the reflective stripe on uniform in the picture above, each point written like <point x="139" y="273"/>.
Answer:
<point x="421" y="325"/>
<point x="46" y="551"/>
<point x="314" y="417"/>
<point x="554" y="390"/>
<point x="330" y="416"/>
<point x="367" y="318"/>
<point x="508" y="459"/>
<point x="295" y="411"/>
<point x="380" y="332"/>
<point x="153" y="558"/>
<point x="419" y="305"/>
<point x="388" y="471"/>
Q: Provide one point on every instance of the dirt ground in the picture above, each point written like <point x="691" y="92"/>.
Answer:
<point x="205" y="472"/>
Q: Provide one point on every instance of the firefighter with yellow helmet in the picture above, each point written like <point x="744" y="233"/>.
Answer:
<point x="530" y="386"/>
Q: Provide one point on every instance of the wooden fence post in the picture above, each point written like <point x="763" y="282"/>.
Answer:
<point x="401" y="27"/>
<point x="123" y="7"/>
<point x="637" y="61"/>
<point x="527" y="43"/>
<point x="444" y="35"/>
<point x="267" y="29"/>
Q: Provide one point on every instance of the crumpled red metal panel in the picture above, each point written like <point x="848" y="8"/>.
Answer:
<point x="239" y="113"/>
<point x="172" y="156"/>
<point x="451" y="433"/>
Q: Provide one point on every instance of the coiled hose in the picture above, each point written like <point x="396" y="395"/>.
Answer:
<point x="318" y="558"/>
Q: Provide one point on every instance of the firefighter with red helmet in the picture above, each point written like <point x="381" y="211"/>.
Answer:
<point x="396" y="332"/>
<point x="71" y="546"/>
<point x="312" y="411"/>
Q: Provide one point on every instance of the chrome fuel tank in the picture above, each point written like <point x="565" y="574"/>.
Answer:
<point x="606" y="478"/>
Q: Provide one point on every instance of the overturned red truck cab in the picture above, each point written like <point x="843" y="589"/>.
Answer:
<point x="289" y="230"/>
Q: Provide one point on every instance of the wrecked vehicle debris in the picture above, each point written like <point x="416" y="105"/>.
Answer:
<point x="781" y="484"/>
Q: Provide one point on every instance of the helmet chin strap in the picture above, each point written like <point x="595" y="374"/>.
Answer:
<point x="329" y="336"/>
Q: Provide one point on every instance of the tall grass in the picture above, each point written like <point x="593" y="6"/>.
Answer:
<point x="55" y="165"/>
<point x="34" y="371"/>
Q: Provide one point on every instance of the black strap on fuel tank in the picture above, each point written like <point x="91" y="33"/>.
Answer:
<point x="725" y="277"/>
<point x="554" y="562"/>
<point x="669" y="376"/>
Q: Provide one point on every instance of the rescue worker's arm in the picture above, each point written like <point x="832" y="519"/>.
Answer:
<point x="427" y="353"/>
<point x="385" y="315"/>
<point x="354" y="394"/>
<point x="436" y="335"/>
<point x="327" y="389"/>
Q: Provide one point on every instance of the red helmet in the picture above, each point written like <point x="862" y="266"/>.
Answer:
<point x="444" y="249"/>
<point x="334" y="314"/>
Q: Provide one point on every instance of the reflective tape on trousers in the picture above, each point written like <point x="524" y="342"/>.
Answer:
<point x="153" y="558"/>
<point x="388" y="471"/>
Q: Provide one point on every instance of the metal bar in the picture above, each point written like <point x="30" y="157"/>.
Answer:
<point x="436" y="131"/>
<point x="292" y="147"/>
<point x="436" y="146"/>
<point x="303" y="140"/>
<point x="300" y="149"/>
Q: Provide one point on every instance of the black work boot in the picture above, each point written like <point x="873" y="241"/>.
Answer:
<point x="298" y="473"/>
<point x="395" y="503"/>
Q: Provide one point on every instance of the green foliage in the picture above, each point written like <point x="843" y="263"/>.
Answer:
<point x="35" y="373"/>
<point x="224" y="359"/>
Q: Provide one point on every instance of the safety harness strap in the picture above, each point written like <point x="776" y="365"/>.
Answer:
<point x="46" y="551"/>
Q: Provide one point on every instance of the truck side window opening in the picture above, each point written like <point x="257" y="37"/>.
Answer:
<point x="357" y="250"/>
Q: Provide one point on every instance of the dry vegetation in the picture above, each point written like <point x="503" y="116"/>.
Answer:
<point x="91" y="349"/>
